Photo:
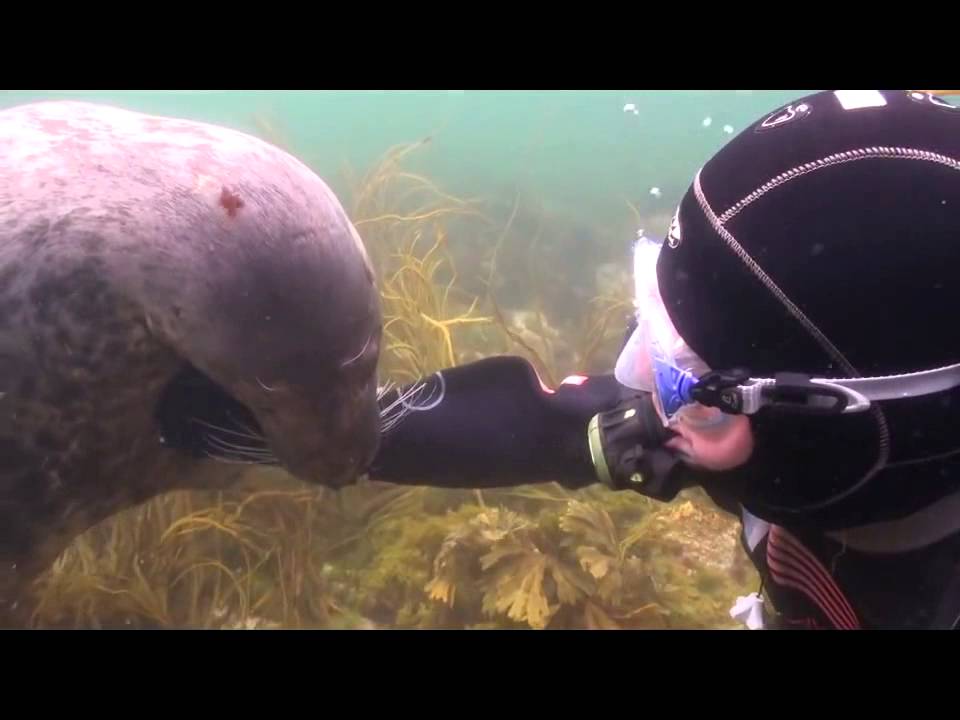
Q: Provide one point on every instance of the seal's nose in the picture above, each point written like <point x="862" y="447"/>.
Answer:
<point x="371" y="446"/>
<point x="366" y="440"/>
<point x="342" y="457"/>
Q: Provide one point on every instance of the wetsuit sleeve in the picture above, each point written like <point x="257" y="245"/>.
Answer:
<point x="492" y="423"/>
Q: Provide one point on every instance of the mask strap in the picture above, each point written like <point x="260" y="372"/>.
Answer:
<point x="736" y="394"/>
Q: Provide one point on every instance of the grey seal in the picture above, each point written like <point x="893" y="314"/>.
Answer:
<point x="151" y="269"/>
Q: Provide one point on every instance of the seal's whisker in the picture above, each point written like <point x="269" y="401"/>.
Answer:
<point x="236" y="459"/>
<point x="246" y="450"/>
<point x="384" y="389"/>
<point x="239" y="452"/>
<point x="233" y="461"/>
<point x="229" y="431"/>
<point x="393" y="412"/>
<point x="263" y="385"/>
<point x="350" y="361"/>
<point x="389" y="426"/>
<point x="252" y="433"/>
<point x="408" y="398"/>
<point x="218" y="451"/>
<point x="407" y="402"/>
<point x="258" y="453"/>
<point x="404" y="397"/>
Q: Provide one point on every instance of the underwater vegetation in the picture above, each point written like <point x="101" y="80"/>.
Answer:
<point x="274" y="553"/>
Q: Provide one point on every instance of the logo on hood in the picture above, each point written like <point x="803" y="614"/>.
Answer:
<point x="673" y="236"/>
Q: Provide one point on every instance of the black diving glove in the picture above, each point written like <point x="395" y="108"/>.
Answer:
<point x="492" y="423"/>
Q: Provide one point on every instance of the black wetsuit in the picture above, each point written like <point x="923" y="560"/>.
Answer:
<point x="822" y="240"/>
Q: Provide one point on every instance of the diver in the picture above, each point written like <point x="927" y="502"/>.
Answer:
<point x="794" y="352"/>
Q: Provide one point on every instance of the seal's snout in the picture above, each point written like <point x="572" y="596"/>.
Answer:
<point x="356" y="451"/>
<point x="328" y="437"/>
<point x="338" y="469"/>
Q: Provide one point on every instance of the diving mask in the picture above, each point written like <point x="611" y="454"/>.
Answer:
<point x="655" y="358"/>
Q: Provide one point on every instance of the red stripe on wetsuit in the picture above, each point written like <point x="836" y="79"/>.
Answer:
<point x="793" y="565"/>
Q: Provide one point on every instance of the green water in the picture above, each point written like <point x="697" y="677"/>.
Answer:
<point x="578" y="152"/>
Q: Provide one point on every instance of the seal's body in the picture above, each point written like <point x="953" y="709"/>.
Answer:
<point x="133" y="248"/>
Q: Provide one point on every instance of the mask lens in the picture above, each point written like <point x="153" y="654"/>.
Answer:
<point x="655" y="358"/>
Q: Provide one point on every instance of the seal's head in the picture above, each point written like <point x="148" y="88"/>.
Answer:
<point x="290" y="329"/>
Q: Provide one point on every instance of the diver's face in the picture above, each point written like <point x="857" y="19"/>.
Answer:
<point x="720" y="447"/>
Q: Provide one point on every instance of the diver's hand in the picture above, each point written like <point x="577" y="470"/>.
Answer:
<point x="628" y="448"/>
<point x="492" y="423"/>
